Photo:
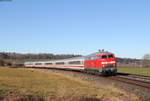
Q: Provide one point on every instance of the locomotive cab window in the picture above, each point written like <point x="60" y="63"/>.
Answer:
<point x="104" y="56"/>
<point x="110" y="56"/>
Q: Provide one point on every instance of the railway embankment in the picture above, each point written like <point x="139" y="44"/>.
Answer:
<point x="20" y="84"/>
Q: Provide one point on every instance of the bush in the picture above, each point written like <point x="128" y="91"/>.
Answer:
<point x="2" y="62"/>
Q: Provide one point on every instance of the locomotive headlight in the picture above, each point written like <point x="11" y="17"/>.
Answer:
<point x="112" y="62"/>
<point x="108" y="62"/>
<point x="104" y="62"/>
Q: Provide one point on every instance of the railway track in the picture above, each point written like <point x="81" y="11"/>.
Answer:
<point x="132" y="81"/>
<point x="134" y="76"/>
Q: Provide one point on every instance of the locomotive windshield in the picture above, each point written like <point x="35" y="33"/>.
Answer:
<point x="107" y="56"/>
<point x="110" y="56"/>
<point x="104" y="56"/>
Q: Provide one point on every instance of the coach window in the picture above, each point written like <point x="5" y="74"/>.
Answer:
<point x="48" y="63"/>
<point x="60" y="63"/>
<point x="38" y="63"/>
<point x="74" y="62"/>
<point x="104" y="56"/>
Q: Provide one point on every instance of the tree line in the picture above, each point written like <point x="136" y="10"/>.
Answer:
<point x="5" y="55"/>
<point x="8" y="59"/>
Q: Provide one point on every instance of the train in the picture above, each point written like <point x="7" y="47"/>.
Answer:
<point x="100" y="62"/>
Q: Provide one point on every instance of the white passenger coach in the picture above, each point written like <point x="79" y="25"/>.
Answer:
<point x="76" y="63"/>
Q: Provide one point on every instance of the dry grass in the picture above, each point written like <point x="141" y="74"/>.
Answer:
<point x="34" y="85"/>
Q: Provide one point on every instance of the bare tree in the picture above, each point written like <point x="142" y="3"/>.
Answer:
<point x="146" y="60"/>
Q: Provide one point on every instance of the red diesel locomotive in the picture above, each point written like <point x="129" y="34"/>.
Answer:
<point x="99" y="62"/>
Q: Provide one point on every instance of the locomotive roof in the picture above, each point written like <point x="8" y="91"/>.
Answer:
<point x="99" y="53"/>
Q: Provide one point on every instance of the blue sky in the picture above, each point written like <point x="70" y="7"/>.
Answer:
<point x="76" y="26"/>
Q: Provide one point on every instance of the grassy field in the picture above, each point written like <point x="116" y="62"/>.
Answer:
<point x="28" y="84"/>
<point x="132" y="70"/>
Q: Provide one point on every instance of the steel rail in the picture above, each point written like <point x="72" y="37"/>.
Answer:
<point x="140" y="83"/>
<point x="135" y="76"/>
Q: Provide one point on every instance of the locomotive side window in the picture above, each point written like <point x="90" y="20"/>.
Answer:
<point x="110" y="56"/>
<point x="60" y="63"/>
<point x="104" y="56"/>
